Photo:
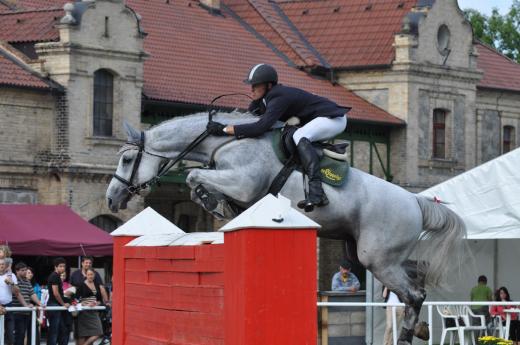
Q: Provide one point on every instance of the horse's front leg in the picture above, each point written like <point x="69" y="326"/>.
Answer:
<point x="210" y="187"/>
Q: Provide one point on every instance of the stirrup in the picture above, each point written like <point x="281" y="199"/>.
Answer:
<point x="308" y="206"/>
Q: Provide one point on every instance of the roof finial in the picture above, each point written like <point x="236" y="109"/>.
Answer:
<point x="68" y="18"/>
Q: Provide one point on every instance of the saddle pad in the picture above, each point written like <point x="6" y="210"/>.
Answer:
<point x="333" y="172"/>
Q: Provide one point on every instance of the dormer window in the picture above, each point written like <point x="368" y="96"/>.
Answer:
<point x="103" y="103"/>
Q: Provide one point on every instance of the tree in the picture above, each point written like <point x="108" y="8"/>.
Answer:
<point x="502" y="32"/>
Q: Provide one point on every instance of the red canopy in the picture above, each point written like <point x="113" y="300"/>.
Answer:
<point x="53" y="230"/>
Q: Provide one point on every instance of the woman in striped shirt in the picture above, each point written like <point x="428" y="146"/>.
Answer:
<point x="89" y="323"/>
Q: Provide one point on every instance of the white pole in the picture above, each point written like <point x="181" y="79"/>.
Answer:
<point x="369" y="311"/>
<point x="430" y="323"/>
<point x="394" y="325"/>
<point x="2" y="319"/>
<point x="33" y="327"/>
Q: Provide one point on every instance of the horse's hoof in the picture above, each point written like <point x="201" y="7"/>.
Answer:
<point x="422" y="331"/>
<point x="208" y="200"/>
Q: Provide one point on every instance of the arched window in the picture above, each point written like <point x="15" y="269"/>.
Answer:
<point x="103" y="102"/>
<point x="508" y="139"/>
<point x="105" y="222"/>
<point x="439" y="133"/>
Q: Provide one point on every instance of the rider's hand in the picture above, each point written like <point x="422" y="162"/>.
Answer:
<point x="216" y="128"/>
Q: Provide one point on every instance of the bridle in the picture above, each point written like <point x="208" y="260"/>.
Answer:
<point x="134" y="188"/>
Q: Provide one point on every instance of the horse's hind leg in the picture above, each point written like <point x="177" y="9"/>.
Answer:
<point x="397" y="278"/>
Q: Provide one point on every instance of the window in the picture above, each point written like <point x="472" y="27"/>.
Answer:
<point x="103" y="103"/>
<point x="508" y="139"/>
<point x="105" y="222"/>
<point x="439" y="133"/>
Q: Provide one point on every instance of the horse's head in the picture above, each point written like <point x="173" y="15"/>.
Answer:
<point x="136" y="168"/>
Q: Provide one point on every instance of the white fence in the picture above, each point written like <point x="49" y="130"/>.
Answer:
<point x="33" y="318"/>
<point x="429" y="305"/>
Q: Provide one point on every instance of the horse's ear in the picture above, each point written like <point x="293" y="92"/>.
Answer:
<point x="133" y="134"/>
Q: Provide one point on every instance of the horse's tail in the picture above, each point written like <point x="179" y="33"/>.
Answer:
<point x="442" y="240"/>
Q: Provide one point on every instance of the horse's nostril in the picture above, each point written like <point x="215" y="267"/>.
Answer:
<point x="109" y="202"/>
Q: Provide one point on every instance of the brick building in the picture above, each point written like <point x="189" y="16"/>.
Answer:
<point x="428" y="100"/>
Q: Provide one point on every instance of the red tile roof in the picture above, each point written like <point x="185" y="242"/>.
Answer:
<point x="350" y="33"/>
<point x="268" y="19"/>
<point x="500" y="72"/>
<point x="30" y="26"/>
<point x="13" y="74"/>
<point x="40" y="4"/>
<point x="196" y="56"/>
<point x="248" y="14"/>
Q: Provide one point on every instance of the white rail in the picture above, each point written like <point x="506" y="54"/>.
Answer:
<point x="33" y="311"/>
<point x="429" y="305"/>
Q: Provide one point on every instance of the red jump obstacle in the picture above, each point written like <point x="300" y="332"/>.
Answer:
<point x="254" y="285"/>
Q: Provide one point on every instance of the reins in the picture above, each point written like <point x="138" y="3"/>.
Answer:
<point x="163" y="170"/>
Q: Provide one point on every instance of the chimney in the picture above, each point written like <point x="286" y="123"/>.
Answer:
<point x="213" y="6"/>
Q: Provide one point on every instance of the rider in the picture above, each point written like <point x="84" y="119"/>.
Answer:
<point x="321" y="119"/>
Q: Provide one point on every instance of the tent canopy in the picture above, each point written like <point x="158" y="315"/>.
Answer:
<point x="53" y="230"/>
<point x="487" y="197"/>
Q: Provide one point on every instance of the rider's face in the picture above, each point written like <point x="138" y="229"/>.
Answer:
<point x="258" y="91"/>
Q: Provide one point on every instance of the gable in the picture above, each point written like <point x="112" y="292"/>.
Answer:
<point x="445" y="38"/>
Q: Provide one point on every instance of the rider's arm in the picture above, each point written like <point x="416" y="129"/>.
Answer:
<point x="276" y="107"/>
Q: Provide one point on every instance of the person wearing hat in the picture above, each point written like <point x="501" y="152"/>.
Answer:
<point x="320" y="119"/>
<point x="345" y="280"/>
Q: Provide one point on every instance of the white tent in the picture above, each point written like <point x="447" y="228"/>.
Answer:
<point x="487" y="198"/>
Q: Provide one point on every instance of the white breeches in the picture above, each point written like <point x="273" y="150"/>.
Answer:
<point x="321" y="128"/>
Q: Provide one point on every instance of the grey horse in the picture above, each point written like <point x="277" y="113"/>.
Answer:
<point x="388" y="224"/>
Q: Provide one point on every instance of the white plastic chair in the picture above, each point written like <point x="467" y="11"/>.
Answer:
<point x="460" y="316"/>
<point x="497" y="328"/>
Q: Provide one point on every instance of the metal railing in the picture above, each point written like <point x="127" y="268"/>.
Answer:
<point x="33" y="311"/>
<point x="429" y="305"/>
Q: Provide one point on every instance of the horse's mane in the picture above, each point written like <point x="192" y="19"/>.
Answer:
<point x="234" y="117"/>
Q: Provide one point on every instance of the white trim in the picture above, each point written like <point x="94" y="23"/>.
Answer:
<point x="253" y="70"/>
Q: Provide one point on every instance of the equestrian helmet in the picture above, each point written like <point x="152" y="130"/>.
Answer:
<point x="262" y="73"/>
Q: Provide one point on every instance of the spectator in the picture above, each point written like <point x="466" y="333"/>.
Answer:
<point x="38" y="291"/>
<point x="2" y="310"/>
<point x="78" y="277"/>
<point x="502" y="295"/>
<point x="8" y="288"/>
<point x="483" y="293"/>
<point x="391" y="298"/>
<point x="36" y="287"/>
<point x="89" y="323"/>
<point x="68" y="292"/>
<point x="5" y="252"/>
<point x="57" y="333"/>
<point x="22" y="320"/>
<point x="344" y="280"/>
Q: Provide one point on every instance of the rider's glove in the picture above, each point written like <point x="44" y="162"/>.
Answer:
<point x="216" y="128"/>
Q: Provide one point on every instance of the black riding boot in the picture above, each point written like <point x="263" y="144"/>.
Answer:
<point x="311" y="164"/>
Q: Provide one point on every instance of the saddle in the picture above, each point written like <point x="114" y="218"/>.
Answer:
<point x="334" y="161"/>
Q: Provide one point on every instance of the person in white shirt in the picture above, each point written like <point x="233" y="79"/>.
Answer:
<point x="391" y="298"/>
<point x="8" y="288"/>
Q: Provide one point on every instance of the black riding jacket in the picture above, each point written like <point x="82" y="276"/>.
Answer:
<point x="283" y="102"/>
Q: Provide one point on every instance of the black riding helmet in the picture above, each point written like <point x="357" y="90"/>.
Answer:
<point x="262" y="73"/>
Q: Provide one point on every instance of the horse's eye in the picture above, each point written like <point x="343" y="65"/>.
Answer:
<point x="127" y="160"/>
